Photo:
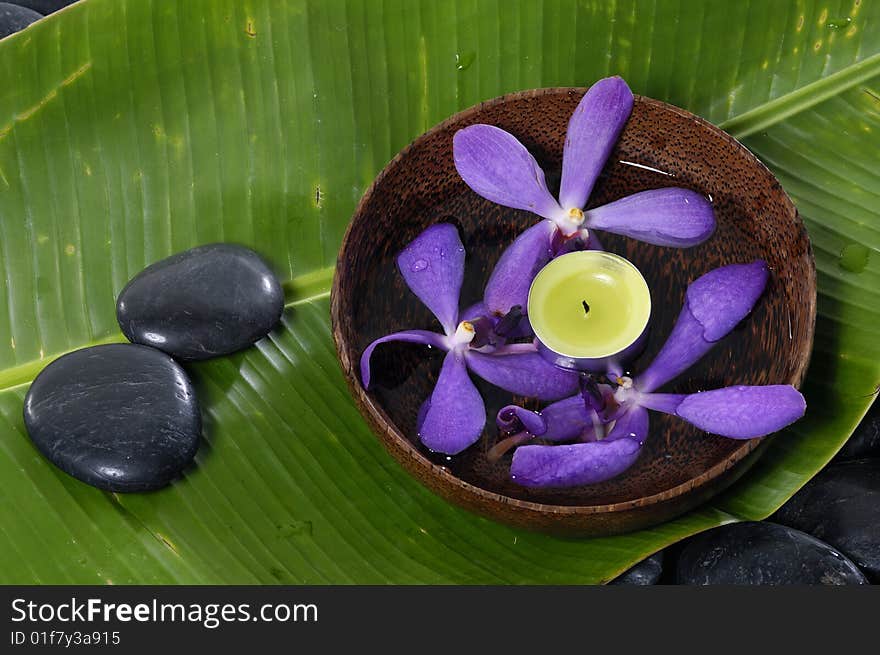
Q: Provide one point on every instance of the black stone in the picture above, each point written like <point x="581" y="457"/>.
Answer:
<point x="118" y="417"/>
<point x="44" y="7"/>
<point x="865" y="440"/>
<point x="14" y="18"/>
<point x="762" y="554"/>
<point x="841" y="505"/>
<point x="646" y="572"/>
<point x="209" y="301"/>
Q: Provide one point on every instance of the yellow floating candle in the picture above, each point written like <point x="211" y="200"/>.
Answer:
<point x="588" y="309"/>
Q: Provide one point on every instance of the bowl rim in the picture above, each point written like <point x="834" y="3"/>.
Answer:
<point x="381" y="422"/>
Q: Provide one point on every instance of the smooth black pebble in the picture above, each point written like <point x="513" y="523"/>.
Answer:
<point x="865" y="440"/>
<point x="14" y="18"/>
<point x="44" y="7"/>
<point x="119" y="417"/>
<point x="204" y="302"/>
<point x="841" y="505"/>
<point x="763" y="553"/>
<point x="646" y="572"/>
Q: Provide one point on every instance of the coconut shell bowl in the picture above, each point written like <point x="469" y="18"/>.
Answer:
<point x="680" y="466"/>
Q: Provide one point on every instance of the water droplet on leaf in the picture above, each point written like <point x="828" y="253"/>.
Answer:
<point x="838" y="23"/>
<point x="464" y="60"/>
<point x="854" y="257"/>
<point x="418" y="265"/>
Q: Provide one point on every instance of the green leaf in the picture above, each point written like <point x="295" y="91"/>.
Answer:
<point x="131" y="129"/>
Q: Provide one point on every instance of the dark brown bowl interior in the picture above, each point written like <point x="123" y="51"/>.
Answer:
<point x="661" y="146"/>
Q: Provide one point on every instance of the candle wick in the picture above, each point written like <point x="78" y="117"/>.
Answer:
<point x="586" y="306"/>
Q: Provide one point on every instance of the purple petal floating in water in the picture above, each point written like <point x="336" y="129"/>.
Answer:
<point x="684" y="347"/>
<point x="410" y="336"/>
<point x="743" y="412"/>
<point x="512" y="277"/>
<point x="663" y="217"/>
<point x="632" y="424"/>
<point x="661" y="402"/>
<point x="568" y="419"/>
<point x="573" y="465"/>
<point x="433" y="267"/>
<point x="564" y="420"/>
<point x="514" y="418"/>
<point x="714" y="304"/>
<point x="456" y="414"/>
<point x="524" y="374"/>
<point x="498" y="167"/>
<point x="721" y="298"/>
<point x="593" y="131"/>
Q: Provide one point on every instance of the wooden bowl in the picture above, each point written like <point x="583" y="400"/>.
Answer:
<point x="680" y="466"/>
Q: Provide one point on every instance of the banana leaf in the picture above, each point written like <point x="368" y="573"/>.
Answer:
<point x="132" y="129"/>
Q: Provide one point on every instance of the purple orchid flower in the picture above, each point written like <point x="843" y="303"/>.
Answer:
<point x="498" y="167"/>
<point x="454" y="416"/>
<point x="715" y="303"/>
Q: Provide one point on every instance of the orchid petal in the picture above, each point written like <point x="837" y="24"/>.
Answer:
<point x="663" y="217"/>
<point x="498" y="167"/>
<point x="633" y="424"/>
<point x="456" y="414"/>
<point x="720" y="299"/>
<point x="433" y="267"/>
<point x="410" y="336"/>
<point x="662" y="402"/>
<point x="714" y="304"/>
<point x="475" y="311"/>
<point x="743" y="412"/>
<point x="573" y="465"/>
<point x="514" y="418"/>
<point x="523" y="374"/>
<point x="564" y="420"/>
<point x="569" y="419"/>
<point x="684" y="347"/>
<point x="593" y="131"/>
<point x="520" y="262"/>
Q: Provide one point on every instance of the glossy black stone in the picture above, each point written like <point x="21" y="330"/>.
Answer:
<point x="119" y="417"/>
<point x="762" y="554"/>
<point x="646" y="572"/>
<point x="14" y="18"/>
<point x="865" y="440"/>
<point x="204" y="302"/>
<point x="841" y="505"/>
<point x="44" y="7"/>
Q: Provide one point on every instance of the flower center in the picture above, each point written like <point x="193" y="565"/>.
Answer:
<point x="464" y="333"/>
<point x="625" y="392"/>
<point x="576" y="216"/>
<point x="569" y="221"/>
